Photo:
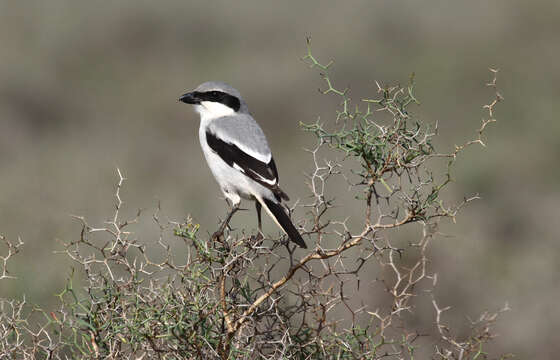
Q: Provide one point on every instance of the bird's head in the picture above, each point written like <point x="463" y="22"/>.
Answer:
<point x="215" y="99"/>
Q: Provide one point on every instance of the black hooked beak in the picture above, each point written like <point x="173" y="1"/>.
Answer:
<point x="190" y="98"/>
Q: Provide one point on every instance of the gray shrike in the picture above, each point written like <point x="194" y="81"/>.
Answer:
<point x="238" y="154"/>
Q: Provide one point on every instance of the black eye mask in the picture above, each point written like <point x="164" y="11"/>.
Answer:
<point x="219" y="97"/>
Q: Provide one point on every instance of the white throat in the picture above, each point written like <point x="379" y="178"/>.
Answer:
<point x="209" y="110"/>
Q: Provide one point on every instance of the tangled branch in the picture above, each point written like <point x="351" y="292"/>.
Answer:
<point x="238" y="295"/>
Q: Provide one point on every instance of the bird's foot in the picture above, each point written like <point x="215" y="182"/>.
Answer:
<point x="219" y="235"/>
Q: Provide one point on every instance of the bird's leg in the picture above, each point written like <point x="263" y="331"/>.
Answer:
<point x="218" y="234"/>
<point x="258" y="207"/>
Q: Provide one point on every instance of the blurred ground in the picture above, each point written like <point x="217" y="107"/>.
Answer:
<point x="86" y="87"/>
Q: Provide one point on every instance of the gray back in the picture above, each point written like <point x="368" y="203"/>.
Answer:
<point x="241" y="129"/>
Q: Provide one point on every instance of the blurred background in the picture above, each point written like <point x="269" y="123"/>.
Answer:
<point x="86" y="87"/>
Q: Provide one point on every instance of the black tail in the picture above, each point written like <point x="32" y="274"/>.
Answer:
<point x="284" y="221"/>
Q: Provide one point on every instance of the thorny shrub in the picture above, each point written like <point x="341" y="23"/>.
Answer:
<point x="240" y="296"/>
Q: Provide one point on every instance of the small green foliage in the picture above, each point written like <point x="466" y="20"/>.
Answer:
<point x="187" y="230"/>
<point x="390" y="143"/>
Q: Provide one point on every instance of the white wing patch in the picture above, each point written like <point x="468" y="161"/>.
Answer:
<point x="268" y="181"/>
<point x="237" y="167"/>
<point x="271" y="182"/>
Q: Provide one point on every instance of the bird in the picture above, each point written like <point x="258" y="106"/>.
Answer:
<point x="238" y="154"/>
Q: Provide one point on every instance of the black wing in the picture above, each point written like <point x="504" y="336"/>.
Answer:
<point x="261" y="172"/>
